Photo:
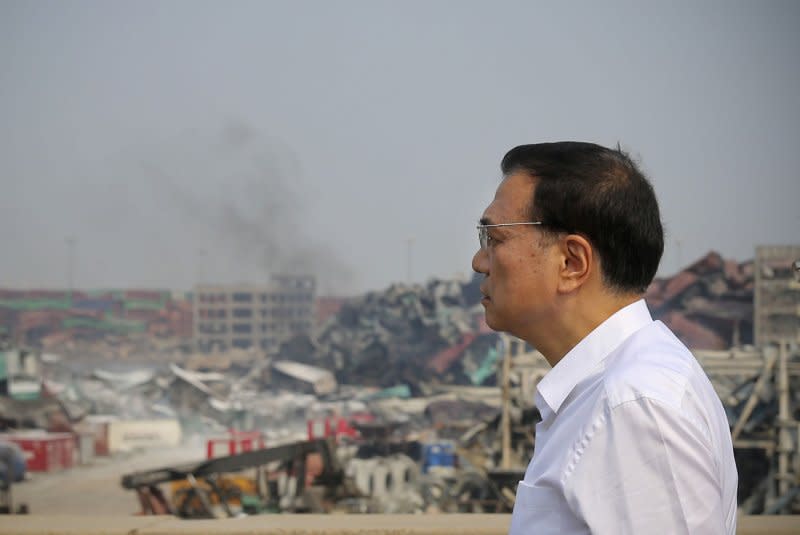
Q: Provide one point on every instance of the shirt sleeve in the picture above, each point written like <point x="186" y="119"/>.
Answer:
<point x="643" y="467"/>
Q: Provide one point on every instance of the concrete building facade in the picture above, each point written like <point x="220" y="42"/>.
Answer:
<point x="776" y="296"/>
<point x="252" y="316"/>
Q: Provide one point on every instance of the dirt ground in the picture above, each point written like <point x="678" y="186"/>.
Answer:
<point x="95" y="488"/>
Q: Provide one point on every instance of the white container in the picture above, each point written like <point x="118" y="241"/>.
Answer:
<point x="126" y="435"/>
<point x="85" y="449"/>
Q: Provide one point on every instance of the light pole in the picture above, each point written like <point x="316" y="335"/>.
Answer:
<point x="410" y="246"/>
<point x="200" y="273"/>
<point x="70" y="261"/>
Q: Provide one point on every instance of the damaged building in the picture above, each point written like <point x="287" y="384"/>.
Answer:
<point x="249" y="316"/>
<point x="417" y="364"/>
<point x="777" y="295"/>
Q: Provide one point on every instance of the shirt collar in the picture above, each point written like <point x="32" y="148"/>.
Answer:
<point x="582" y="359"/>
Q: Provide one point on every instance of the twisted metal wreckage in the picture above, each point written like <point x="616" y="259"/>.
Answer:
<point x="471" y="387"/>
<point x="758" y="389"/>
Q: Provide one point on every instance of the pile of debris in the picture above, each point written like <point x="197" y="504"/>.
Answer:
<point x="708" y="305"/>
<point x="436" y="333"/>
<point x="405" y="334"/>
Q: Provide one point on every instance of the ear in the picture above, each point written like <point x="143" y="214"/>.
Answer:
<point x="577" y="263"/>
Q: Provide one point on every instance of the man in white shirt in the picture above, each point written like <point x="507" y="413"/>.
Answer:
<point x="633" y="438"/>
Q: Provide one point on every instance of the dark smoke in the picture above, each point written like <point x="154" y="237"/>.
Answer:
<point x="257" y="216"/>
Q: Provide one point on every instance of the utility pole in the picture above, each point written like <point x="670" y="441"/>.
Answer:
<point x="409" y="249"/>
<point x="70" y="262"/>
<point x="199" y="276"/>
<point x="200" y="273"/>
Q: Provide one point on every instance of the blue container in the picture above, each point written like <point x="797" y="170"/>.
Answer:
<point x="438" y="456"/>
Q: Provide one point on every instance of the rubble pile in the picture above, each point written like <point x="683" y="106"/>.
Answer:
<point x="384" y="371"/>
<point x="203" y="402"/>
<point x="404" y="341"/>
<point x="405" y="334"/>
<point x="709" y="305"/>
<point x="436" y="333"/>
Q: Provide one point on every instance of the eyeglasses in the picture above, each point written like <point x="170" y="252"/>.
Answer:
<point x="483" y="231"/>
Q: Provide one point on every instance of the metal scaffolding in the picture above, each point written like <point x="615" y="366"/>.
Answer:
<point x="760" y="390"/>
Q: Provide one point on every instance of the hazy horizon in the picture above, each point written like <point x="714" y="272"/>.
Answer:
<point x="183" y="142"/>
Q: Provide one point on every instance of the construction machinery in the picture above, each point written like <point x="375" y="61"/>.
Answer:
<point x="298" y="477"/>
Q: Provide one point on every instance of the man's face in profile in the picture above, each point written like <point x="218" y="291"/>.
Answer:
<point x="517" y="263"/>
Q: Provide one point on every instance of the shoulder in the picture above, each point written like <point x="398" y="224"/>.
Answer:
<point x="651" y="364"/>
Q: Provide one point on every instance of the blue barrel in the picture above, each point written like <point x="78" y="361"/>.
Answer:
<point x="438" y="456"/>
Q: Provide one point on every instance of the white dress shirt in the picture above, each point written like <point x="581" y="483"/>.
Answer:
<point x="633" y="439"/>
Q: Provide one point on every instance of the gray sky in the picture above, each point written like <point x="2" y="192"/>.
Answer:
<point x="323" y="136"/>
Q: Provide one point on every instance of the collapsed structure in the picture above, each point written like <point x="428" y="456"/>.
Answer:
<point x="410" y="334"/>
<point x="413" y="375"/>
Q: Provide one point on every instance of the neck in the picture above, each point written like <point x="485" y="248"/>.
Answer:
<point x="573" y="322"/>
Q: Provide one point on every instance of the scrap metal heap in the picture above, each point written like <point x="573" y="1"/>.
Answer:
<point x="708" y="305"/>
<point x="416" y="364"/>
<point x="406" y="334"/>
<point x="759" y="388"/>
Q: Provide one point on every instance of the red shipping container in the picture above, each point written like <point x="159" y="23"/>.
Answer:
<point x="235" y="442"/>
<point x="45" y="452"/>
<point x="45" y="294"/>
<point x="332" y="427"/>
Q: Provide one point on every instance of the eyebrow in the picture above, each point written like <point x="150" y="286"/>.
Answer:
<point x="485" y="221"/>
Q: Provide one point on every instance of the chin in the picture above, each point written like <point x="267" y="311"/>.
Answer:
<point x="493" y="323"/>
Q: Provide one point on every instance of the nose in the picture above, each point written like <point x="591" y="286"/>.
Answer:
<point x="480" y="262"/>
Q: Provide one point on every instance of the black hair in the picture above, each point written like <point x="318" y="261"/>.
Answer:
<point x="600" y="193"/>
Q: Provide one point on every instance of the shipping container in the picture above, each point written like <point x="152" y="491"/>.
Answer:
<point x="126" y="435"/>
<point x="35" y="304"/>
<point x="44" y="452"/>
<point x="139" y="304"/>
<point x="96" y="304"/>
<point x="234" y="442"/>
<point x="147" y="295"/>
<point x="145" y="315"/>
<point x="46" y="294"/>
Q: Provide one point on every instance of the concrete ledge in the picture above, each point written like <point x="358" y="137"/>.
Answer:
<point x="440" y="524"/>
